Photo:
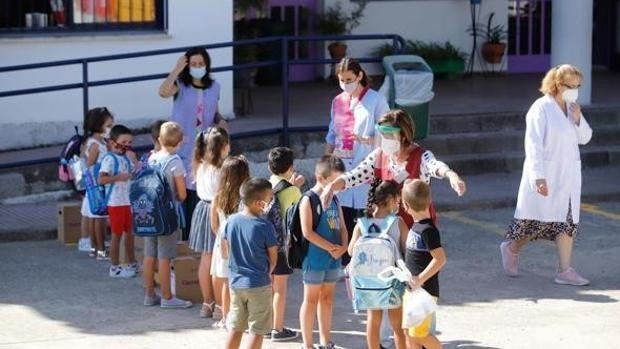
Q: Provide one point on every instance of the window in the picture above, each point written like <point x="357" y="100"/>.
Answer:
<point x="58" y="16"/>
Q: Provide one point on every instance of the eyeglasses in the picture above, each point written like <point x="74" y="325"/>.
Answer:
<point x="572" y="87"/>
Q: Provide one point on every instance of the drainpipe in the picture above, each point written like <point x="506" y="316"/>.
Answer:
<point x="571" y="40"/>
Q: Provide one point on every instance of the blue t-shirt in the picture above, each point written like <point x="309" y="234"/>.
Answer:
<point x="248" y="259"/>
<point x="329" y="229"/>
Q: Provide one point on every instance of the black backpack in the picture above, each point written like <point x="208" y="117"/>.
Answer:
<point x="275" y="217"/>
<point x="298" y="246"/>
<point x="71" y="149"/>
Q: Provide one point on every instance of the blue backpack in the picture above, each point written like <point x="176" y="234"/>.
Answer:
<point x="98" y="196"/>
<point x="154" y="208"/>
<point x="373" y="252"/>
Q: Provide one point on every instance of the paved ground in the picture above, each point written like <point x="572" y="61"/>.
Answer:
<point x="55" y="297"/>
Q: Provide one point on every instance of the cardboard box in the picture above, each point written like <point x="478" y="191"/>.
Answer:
<point x="138" y="250"/>
<point x="184" y="278"/>
<point x="69" y="222"/>
<point x="184" y="250"/>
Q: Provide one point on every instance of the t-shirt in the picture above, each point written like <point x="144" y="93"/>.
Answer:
<point x="92" y="143"/>
<point x="423" y="238"/>
<point x="207" y="179"/>
<point x="248" y="239"/>
<point x="329" y="229"/>
<point x="119" y="196"/>
<point x="287" y="197"/>
<point x="173" y="169"/>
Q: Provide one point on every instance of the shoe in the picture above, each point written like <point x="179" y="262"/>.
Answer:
<point x="218" y="313"/>
<point x="103" y="255"/>
<point x="207" y="310"/>
<point x="285" y="335"/>
<point x="84" y="245"/>
<point x="175" y="302"/>
<point x="570" y="277"/>
<point x="329" y="345"/>
<point x="92" y="253"/>
<point x="152" y="300"/>
<point x="510" y="260"/>
<point x="220" y="324"/>
<point x="135" y="267"/>
<point x="120" y="272"/>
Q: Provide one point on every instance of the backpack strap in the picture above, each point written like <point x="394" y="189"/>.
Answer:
<point x="282" y="184"/>
<point x="315" y="202"/>
<point x="384" y="231"/>
<point x="108" y="193"/>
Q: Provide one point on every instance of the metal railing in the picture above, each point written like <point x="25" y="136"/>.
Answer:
<point x="397" y="43"/>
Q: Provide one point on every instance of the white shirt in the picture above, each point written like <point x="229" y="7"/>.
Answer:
<point x="119" y="196"/>
<point x="103" y="148"/>
<point x="552" y="142"/>
<point x="207" y="181"/>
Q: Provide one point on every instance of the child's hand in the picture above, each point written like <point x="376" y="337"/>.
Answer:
<point x="123" y="177"/>
<point x="132" y="156"/>
<point x="297" y="180"/>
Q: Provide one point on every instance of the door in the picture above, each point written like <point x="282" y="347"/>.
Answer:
<point x="529" y="36"/>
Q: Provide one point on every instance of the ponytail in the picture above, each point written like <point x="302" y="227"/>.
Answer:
<point x="208" y="147"/>
<point x="200" y="146"/>
<point x="353" y="65"/>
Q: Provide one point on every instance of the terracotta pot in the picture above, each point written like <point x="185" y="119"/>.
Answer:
<point x="493" y="53"/>
<point x="337" y="50"/>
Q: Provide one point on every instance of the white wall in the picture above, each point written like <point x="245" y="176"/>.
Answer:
<point x="48" y="117"/>
<point x="425" y="20"/>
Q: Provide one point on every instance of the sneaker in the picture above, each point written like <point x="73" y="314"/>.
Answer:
<point x="510" y="260"/>
<point x="92" y="253"/>
<point x="329" y="345"/>
<point x="120" y="272"/>
<point x="206" y="311"/>
<point x="135" y="267"/>
<point x="285" y="335"/>
<point x="84" y="245"/>
<point x="175" y="302"/>
<point x="152" y="300"/>
<point x="570" y="277"/>
<point x="103" y="255"/>
<point x="218" y="313"/>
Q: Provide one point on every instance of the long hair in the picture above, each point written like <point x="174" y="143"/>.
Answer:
<point x="352" y="65"/>
<point x="233" y="173"/>
<point x="401" y="119"/>
<point x="208" y="148"/>
<point x="187" y="79"/>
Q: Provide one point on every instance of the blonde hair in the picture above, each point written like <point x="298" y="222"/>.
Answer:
<point x="170" y="134"/>
<point x="416" y="195"/>
<point x="558" y="76"/>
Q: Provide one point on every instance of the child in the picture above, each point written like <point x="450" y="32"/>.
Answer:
<point x="164" y="247"/>
<point x="115" y="173"/>
<point x="211" y="148"/>
<point x="233" y="173"/>
<point x="424" y="257"/>
<point x="155" y="126"/>
<point x="321" y="265"/>
<point x="249" y="242"/>
<point x="385" y="202"/>
<point x="99" y="122"/>
<point x="285" y="183"/>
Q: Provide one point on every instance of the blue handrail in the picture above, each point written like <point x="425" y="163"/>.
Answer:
<point x="397" y="43"/>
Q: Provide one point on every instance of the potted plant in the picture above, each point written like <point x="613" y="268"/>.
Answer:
<point x="444" y="59"/>
<point x="494" y="47"/>
<point x="333" y="21"/>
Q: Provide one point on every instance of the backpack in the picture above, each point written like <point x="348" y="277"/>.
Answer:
<point x="374" y="252"/>
<point x="154" y="209"/>
<point x="69" y="151"/>
<point x="98" y="196"/>
<point x="275" y="217"/>
<point x="298" y="245"/>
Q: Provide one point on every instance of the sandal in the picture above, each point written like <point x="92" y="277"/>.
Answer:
<point x="207" y="310"/>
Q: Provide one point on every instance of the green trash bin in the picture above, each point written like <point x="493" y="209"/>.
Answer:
<point x="416" y="82"/>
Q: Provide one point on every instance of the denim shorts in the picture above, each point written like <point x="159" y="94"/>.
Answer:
<point x="317" y="277"/>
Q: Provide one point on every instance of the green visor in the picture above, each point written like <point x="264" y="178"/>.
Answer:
<point x="387" y="129"/>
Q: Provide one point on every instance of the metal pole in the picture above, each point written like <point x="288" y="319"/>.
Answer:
<point x="285" y="96"/>
<point x="84" y="89"/>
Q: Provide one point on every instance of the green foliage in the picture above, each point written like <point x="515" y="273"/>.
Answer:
<point x="333" y="21"/>
<point x="490" y="33"/>
<point x="431" y="51"/>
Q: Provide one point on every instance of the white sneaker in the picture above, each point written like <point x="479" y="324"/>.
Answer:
<point x="120" y="272"/>
<point x="175" y="302"/>
<point x="84" y="245"/>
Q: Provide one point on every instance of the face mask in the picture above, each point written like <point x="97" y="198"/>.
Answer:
<point x="106" y="132"/>
<point x="348" y="87"/>
<point x="570" y="95"/>
<point x="390" y="146"/>
<point x="266" y="207"/>
<point x="197" y="72"/>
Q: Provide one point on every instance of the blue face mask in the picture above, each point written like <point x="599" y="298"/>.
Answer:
<point x="197" y="72"/>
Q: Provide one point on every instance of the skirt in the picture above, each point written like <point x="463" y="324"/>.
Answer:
<point x="201" y="237"/>
<point x="219" y="265"/>
<point x="533" y="230"/>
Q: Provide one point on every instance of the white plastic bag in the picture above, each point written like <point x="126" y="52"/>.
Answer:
<point x="419" y="305"/>
<point x="77" y="167"/>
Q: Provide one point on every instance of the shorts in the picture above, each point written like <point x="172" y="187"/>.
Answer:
<point x="251" y="308"/>
<point x="282" y="267"/>
<point x="85" y="209"/>
<point x="164" y="246"/>
<point x="317" y="277"/>
<point x="120" y="219"/>
<point x="425" y="329"/>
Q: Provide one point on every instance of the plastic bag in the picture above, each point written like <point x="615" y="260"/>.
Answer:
<point x="77" y="167"/>
<point x="419" y="305"/>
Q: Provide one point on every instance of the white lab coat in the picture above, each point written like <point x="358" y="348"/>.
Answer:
<point x="551" y="152"/>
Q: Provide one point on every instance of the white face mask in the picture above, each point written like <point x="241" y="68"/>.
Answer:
<point x="106" y="132"/>
<point x="266" y="208"/>
<point x="348" y="87"/>
<point x="197" y="72"/>
<point x="390" y="146"/>
<point x="570" y="95"/>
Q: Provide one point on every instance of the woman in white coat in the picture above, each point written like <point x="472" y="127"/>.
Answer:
<point x="550" y="190"/>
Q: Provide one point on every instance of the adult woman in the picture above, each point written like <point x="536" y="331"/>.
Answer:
<point x="398" y="158"/>
<point x="549" y="194"/>
<point x="354" y="114"/>
<point x="195" y="108"/>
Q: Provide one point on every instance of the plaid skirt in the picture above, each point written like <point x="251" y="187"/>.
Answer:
<point x="533" y="230"/>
